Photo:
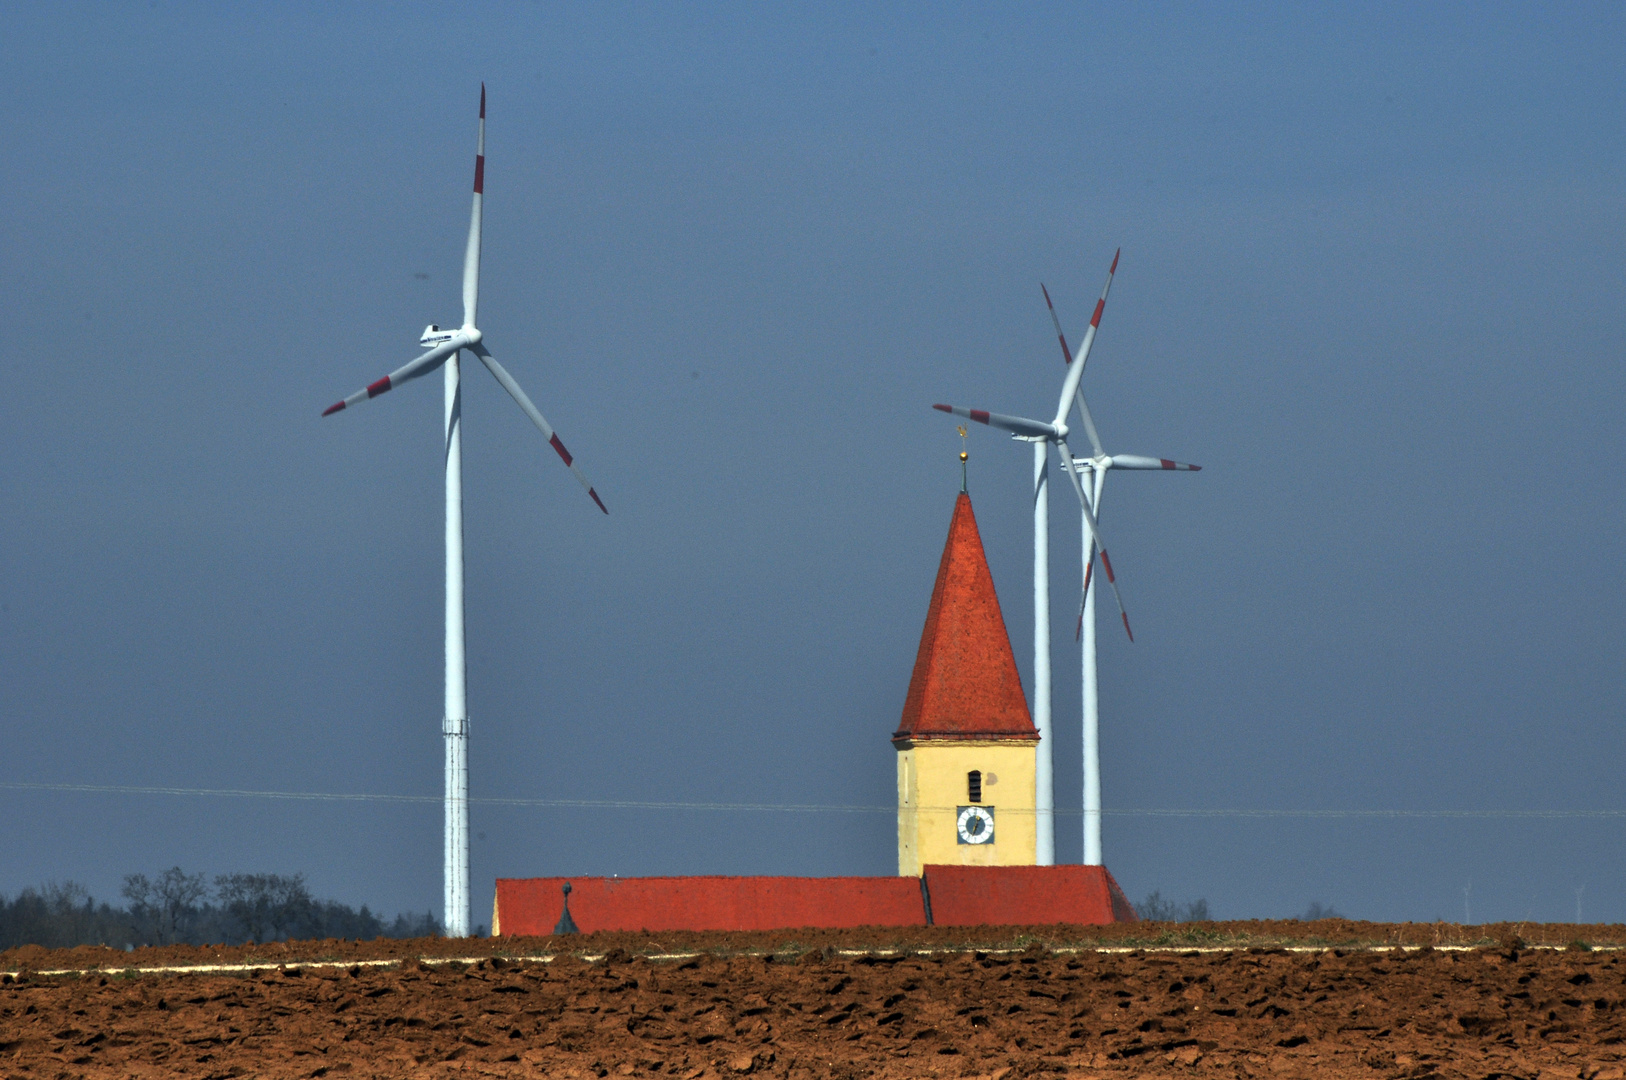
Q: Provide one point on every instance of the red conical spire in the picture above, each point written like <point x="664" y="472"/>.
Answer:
<point x="965" y="684"/>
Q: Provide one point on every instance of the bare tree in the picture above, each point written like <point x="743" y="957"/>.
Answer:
<point x="165" y="906"/>
<point x="245" y="899"/>
<point x="1156" y="909"/>
<point x="267" y="907"/>
<point x="293" y="910"/>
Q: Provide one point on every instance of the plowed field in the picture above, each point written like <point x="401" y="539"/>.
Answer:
<point x="808" y="1010"/>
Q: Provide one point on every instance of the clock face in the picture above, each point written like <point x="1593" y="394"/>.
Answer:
<point x="975" y="825"/>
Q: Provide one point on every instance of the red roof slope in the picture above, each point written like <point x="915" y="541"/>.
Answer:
<point x="1025" y="895"/>
<point x="965" y="684"/>
<point x="532" y="906"/>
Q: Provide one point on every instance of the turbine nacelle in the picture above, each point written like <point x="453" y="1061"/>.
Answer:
<point x="434" y="335"/>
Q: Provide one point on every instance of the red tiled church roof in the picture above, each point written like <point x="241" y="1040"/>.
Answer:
<point x="965" y="684"/>
<point x="948" y="896"/>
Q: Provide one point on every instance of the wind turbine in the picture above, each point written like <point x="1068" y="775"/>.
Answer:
<point x="1042" y="435"/>
<point x="1095" y="470"/>
<point x="444" y="347"/>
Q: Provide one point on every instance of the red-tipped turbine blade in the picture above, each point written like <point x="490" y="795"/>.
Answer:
<point x="1066" y="353"/>
<point x="1100" y="305"/>
<point x="1095" y="530"/>
<point x="423" y="365"/>
<point x="524" y="402"/>
<point x="1078" y="391"/>
<point x="1075" y="372"/>
<point x="1134" y="461"/>
<point x="1089" y="571"/>
<point x="1016" y="425"/>
<point x="471" y="255"/>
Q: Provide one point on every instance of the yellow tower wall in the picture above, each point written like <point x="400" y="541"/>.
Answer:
<point x="932" y="787"/>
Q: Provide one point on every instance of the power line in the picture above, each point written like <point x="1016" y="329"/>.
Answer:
<point x="825" y="808"/>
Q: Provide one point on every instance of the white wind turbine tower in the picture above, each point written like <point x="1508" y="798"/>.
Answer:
<point x="444" y="347"/>
<point x="1094" y="470"/>
<point x="1042" y="435"/>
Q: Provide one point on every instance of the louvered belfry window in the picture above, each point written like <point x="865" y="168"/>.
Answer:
<point x="973" y="783"/>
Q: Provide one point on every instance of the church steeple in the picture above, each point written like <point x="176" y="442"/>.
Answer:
<point x="965" y="684"/>
<point x="966" y="739"/>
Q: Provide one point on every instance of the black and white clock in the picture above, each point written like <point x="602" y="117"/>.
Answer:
<point x="975" y="825"/>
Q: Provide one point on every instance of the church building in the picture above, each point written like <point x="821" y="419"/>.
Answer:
<point x="967" y="846"/>
<point x="966" y="744"/>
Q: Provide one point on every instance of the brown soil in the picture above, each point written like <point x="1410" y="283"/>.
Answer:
<point x="808" y="1012"/>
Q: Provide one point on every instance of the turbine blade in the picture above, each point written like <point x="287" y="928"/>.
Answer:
<point x="1134" y="461"/>
<point x="1066" y="353"/>
<point x="1076" y="371"/>
<point x="1078" y="393"/>
<point x="1089" y="571"/>
<point x="508" y="384"/>
<point x="423" y="365"/>
<point x="1016" y="425"/>
<point x="1095" y="531"/>
<point x="1089" y="423"/>
<point x="471" y="257"/>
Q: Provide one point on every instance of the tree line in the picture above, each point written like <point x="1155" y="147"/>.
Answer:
<point x="175" y="907"/>
<point x="1156" y="909"/>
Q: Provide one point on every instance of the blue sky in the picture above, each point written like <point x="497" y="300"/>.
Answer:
<point x="1371" y="282"/>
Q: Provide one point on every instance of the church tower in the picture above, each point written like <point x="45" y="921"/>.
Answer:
<point x="966" y="744"/>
